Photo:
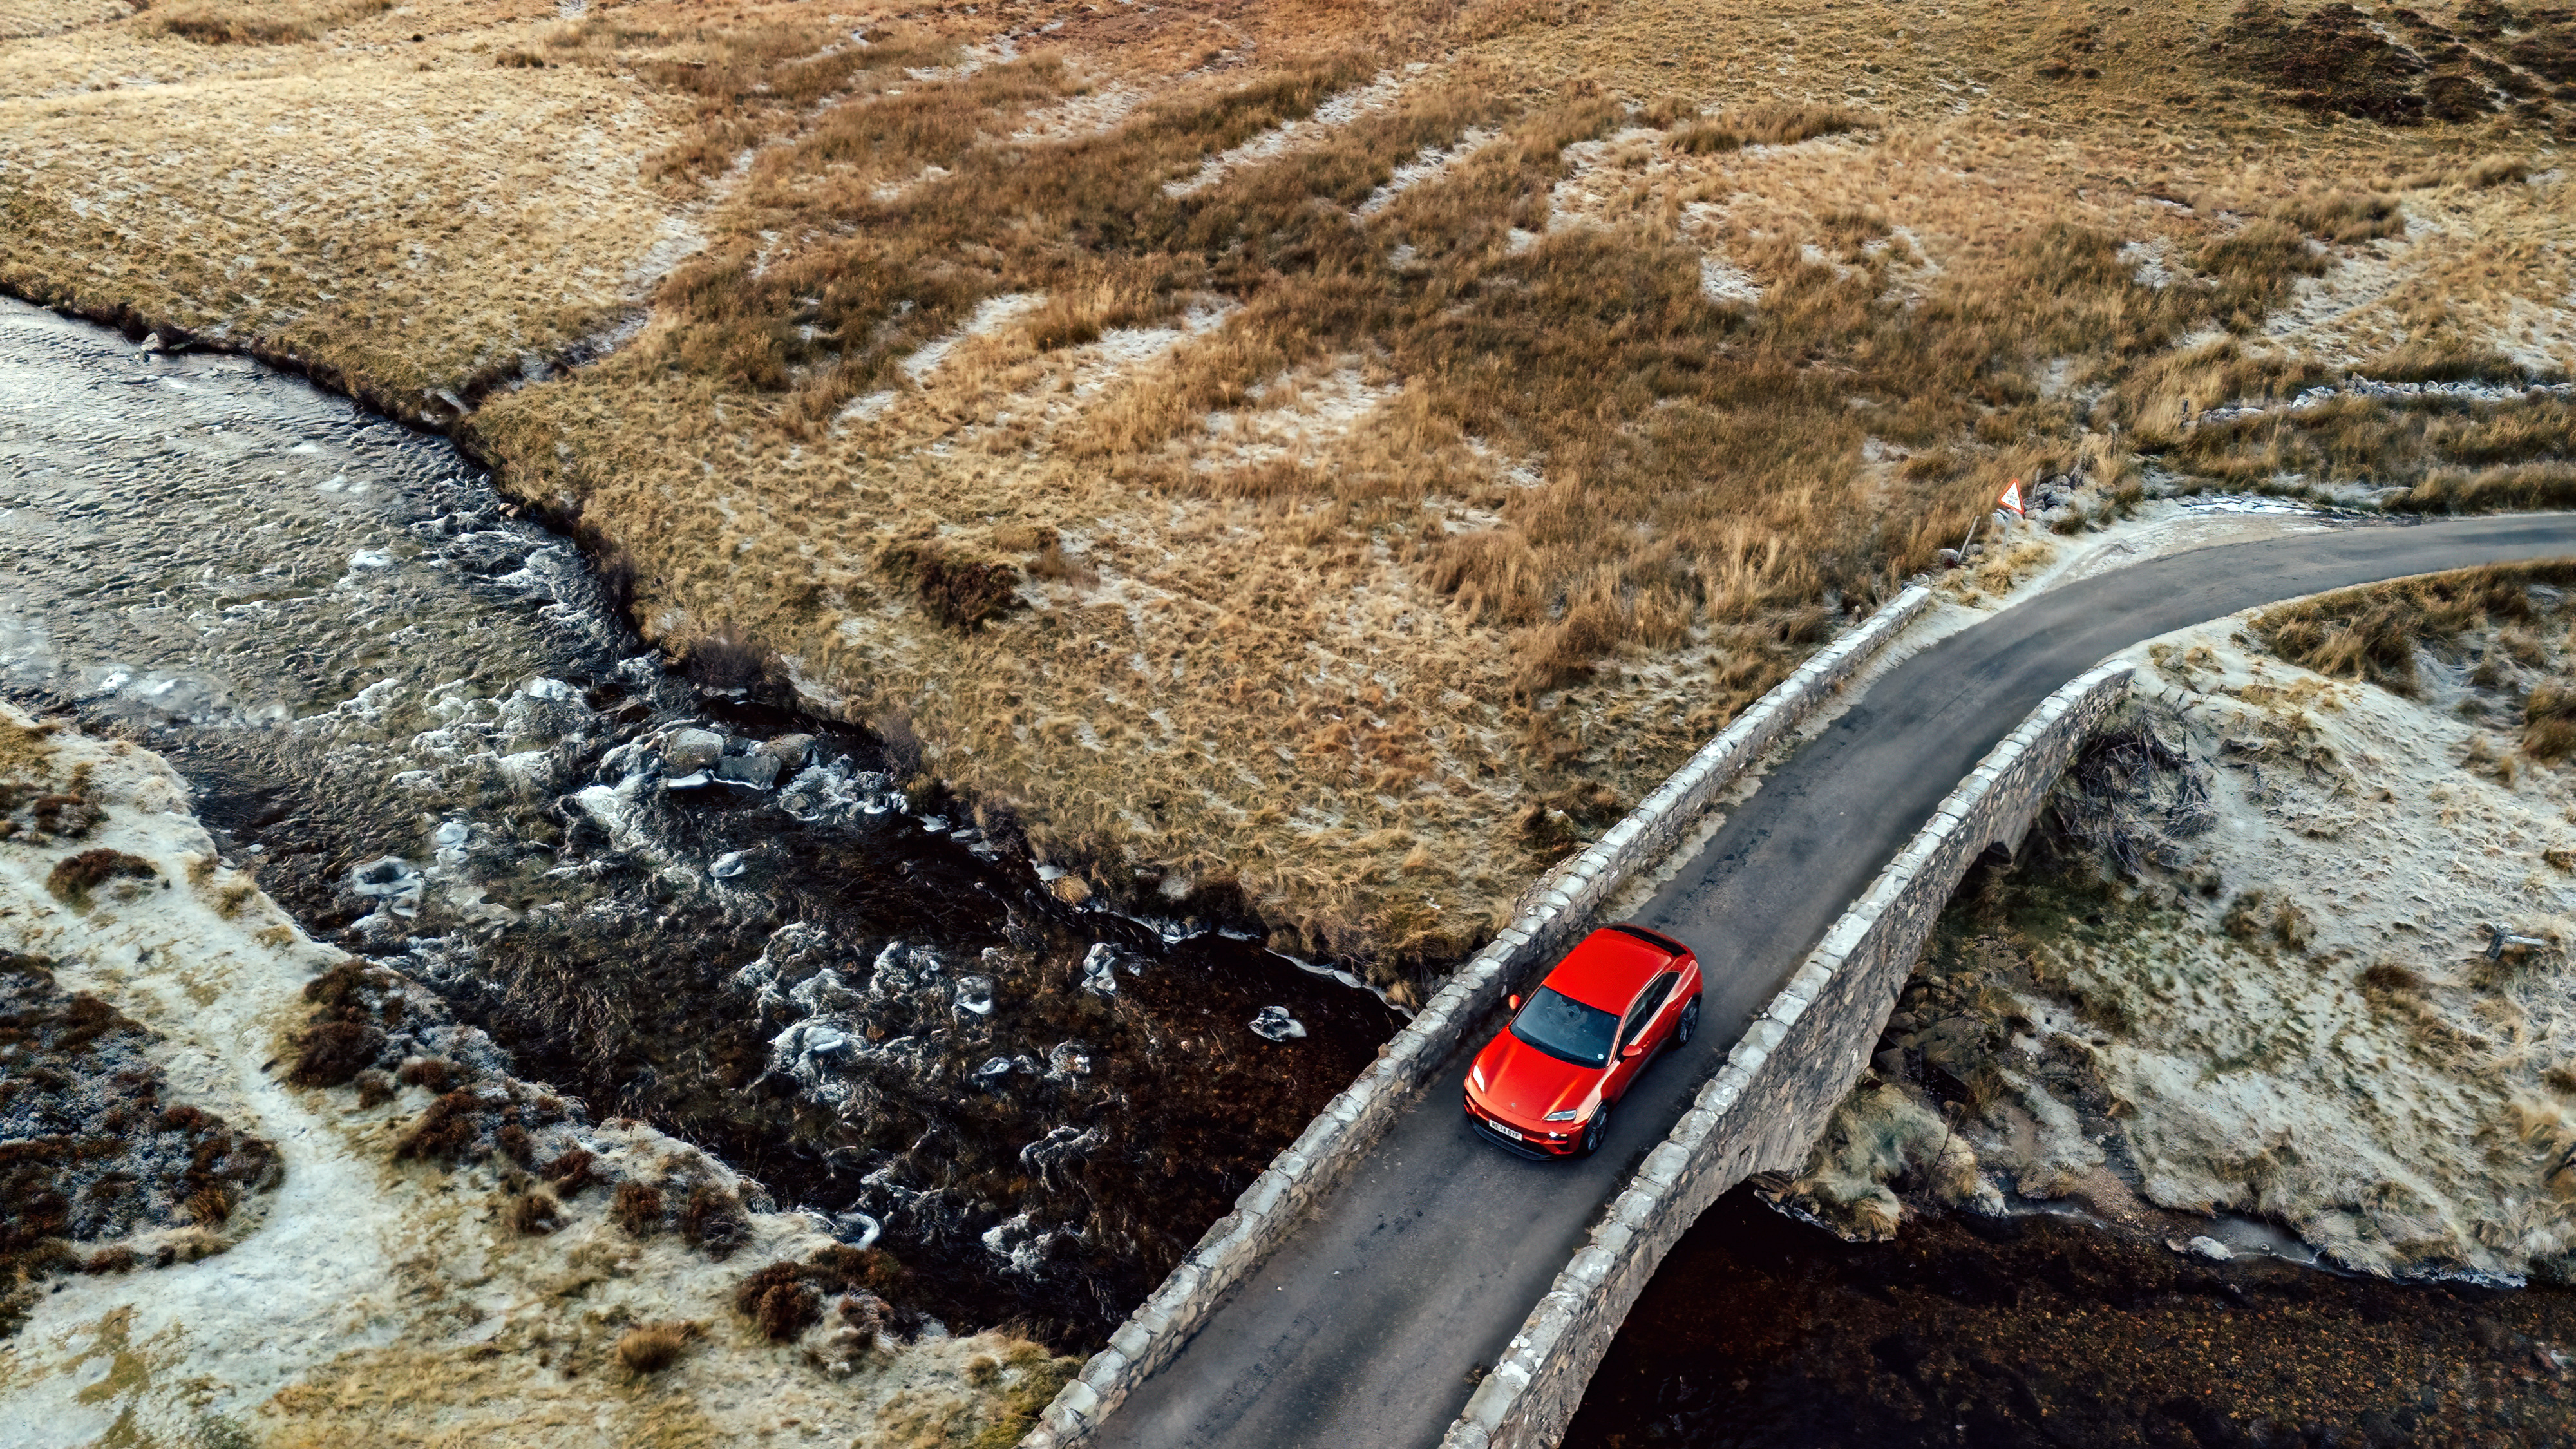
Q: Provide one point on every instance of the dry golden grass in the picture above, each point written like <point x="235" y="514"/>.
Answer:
<point x="654" y="1346"/>
<point x="403" y="218"/>
<point x="1355" y="523"/>
<point x="232" y="22"/>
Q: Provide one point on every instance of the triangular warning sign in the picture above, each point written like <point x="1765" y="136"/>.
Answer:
<point x="2012" y="499"/>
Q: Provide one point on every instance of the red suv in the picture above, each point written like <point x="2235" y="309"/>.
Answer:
<point x="1544" y="1087"/>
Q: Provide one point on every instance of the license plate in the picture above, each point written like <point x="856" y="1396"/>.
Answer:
<point x="1502" y="1130"/>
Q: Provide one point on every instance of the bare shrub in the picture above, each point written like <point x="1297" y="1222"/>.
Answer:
<point x="714" y="1220"/>
<point x="574" y="1171"/>
<point x="786" y="1297"/>
<point x="2389" y="978"/>
<point x="780" y="1300"/>
<point x="449" y="1130"/>
<point x="436" y="1073"/>
<point x="727" y="659"/>
<point x="955" y="588"/>
<point x="333" y="1053"/>
<point x="637" y="1208"/>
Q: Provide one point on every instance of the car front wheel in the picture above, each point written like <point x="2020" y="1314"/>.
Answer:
<point x="1689" y="1025"/>
<point x="1599" y="1127"/>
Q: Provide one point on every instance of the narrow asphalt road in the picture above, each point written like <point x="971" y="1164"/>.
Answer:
<point x="1359" y="1333"/>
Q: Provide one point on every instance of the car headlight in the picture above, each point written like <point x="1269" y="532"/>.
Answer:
<point x="1567" y="1115"/>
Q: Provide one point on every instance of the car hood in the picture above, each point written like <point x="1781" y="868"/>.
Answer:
<point x="1525" y="1084"/>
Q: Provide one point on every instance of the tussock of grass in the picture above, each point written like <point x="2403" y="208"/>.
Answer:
<point x="2549" y="721"/>
<point x="264" y="22"/>
<point x="2373" y="633"/>
<point x="75" y="877"/>
<point x="1778" y="124"/>
<point x="2344" y="216"/>
<point x="653" y="1347"/>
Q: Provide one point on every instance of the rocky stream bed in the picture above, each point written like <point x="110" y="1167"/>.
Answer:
<point x="419" y="722"/>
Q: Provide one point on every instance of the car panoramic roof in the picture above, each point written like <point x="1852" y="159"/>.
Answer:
<point x="1607" y="968"/>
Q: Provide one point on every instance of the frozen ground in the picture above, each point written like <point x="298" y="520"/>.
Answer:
<point x="376" y="1301"/>
<point x="2288" y="1010"/>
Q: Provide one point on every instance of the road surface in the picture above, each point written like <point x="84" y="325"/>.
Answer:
<point x="1359" y="1333"/>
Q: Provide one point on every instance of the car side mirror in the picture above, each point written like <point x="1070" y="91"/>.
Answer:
<point x="1632" y="1051"/>
<point x="1513" y="1001"/>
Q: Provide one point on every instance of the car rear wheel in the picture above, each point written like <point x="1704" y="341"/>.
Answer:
<point x="1599" y="1127"/>
<point x="1689" y="1025"/>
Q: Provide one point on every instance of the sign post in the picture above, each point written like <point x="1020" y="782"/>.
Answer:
<point x="2011" y="500"/>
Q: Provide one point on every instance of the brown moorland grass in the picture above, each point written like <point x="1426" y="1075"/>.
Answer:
<point x="1533" y="385"/>
<point x="264" y="23"/>
<point x="2373" y="633"/>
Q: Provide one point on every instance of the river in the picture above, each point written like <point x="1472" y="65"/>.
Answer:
<point x="417" y="719"/>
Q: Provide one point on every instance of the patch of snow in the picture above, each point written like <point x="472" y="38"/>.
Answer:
<point x="1075" y="118"/>
<point x="1000" y="50"/>
<point x="869" y="405"/>
<point x="1316" y="412"/>
<point x="1337" y="111"/>
<point x="2146" y="261"/>
<point x="1723" y="281"/>
<point x="990" y="315"/>
<point x="1430" y="164"/>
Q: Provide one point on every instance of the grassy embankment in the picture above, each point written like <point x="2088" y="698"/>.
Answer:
<point x="1346" y="526"/>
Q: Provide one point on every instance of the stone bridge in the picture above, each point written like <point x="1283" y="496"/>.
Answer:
<point x="1393" y="1281"/>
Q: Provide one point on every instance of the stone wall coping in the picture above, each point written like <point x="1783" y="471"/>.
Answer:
<point x="1350" y="1125"/>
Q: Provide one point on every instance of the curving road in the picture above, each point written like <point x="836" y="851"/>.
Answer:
<point x="1361" y="1330"/>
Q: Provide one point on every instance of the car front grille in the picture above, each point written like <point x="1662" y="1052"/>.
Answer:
<point x="1517" y="1146"/>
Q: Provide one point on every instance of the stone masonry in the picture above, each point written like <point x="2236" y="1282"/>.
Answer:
<point x="1353" y="1122"/>
<point x="1766" y="1107"/>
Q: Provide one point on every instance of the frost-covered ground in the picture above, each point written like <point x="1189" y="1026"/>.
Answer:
<point x="382" y="1301"/>
<point x="2288" y="1000"/>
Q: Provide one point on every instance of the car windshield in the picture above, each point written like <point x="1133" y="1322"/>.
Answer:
<point x="1566" y="1029"/>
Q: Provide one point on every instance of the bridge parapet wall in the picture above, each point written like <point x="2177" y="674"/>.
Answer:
<point x="1780" y="1084"/>
<point x="1559" y="911"/>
